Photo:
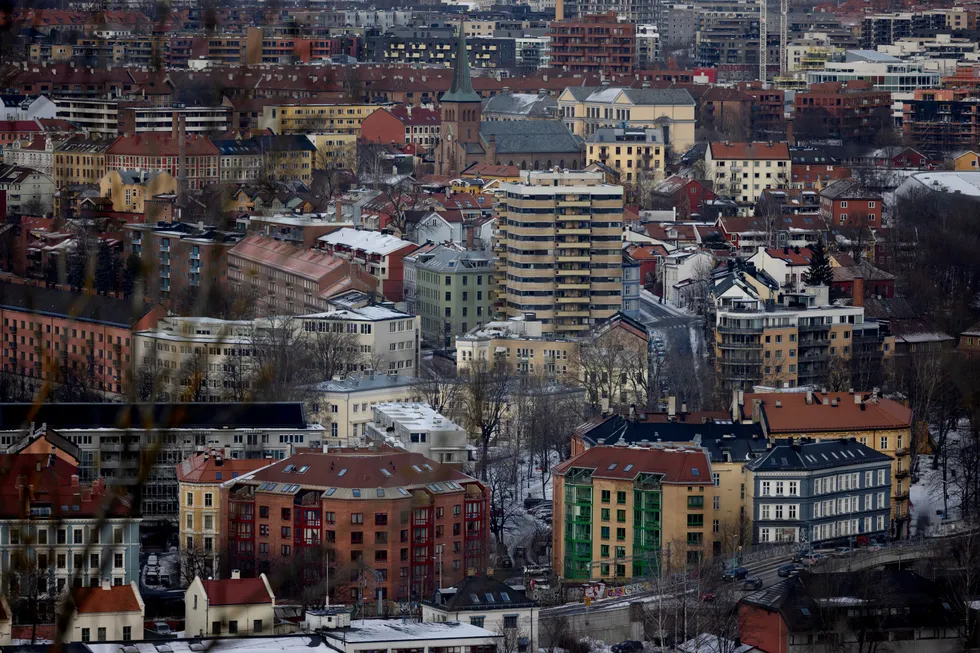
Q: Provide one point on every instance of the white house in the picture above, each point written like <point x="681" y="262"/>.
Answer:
<point x="25" y="107"/>
<point x="28" y="191"/>
<point x="453" y="227"/>
<point x="38" y="154"/>
<point x="229" y="607"/>
<point x="786" y="265"/>
<point x="684" y="270"/>
<point x="490" y="604"/>
<point x="108" y="613"/>
<point x="343" y="406"/>
<point x="416" y="427"/>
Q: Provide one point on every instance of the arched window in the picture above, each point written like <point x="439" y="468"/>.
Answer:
<point x="537" y="165"/>
<point x="561" y="164"/>
<point x="549" y="164"/>
<point x="523" y="165"/>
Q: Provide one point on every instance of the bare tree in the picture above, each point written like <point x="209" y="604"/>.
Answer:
<point x="613" y="369"/>
<point x="437" y="385"/>
<point x="483" y="401"/>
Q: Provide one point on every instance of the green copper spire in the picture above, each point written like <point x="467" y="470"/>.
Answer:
<point x="462" y="86"/>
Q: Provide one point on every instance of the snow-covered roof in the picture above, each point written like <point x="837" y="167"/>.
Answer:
<point x="299" y="644"/>
<point x="363" y="314"/>
<point x="371" y="242"/>
<point x="393" y="630"/>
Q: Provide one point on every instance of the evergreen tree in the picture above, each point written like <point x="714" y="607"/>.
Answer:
<point x="77" y="268"/>
<point x="131" y="274"/>
<point x="819" y="272"/>
<point x="105" y="269"/>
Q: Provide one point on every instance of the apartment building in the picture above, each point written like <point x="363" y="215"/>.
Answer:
<point x="80" y="160"/>
<point x="854" y="110"/>
<point x="617" y="509"/>
<point x="137" y="119"/>
<point x="436" y="46"/>
<point x="28" y="192"/>
<point x="597" y="44"/>
<point x="111" y="449"/>
<point x="288" y="158"/>
<point x="240" y="161"/>
<point x="743" y="170"/>
<point x="97" y="117"/>
<point x="559" y="250"/>
<point x="845" y="203"/>
<point x="380" y="254"/>
<point x="343" y="406"/>
<point x="37" y="154"/>
<point x="789" y="344"/>
<point x="584" y="109"/>
<point x="301" y="229"/>
<point x="154" y="151"/>
<point x="49" y="337"/>
<point x="310" y="118"/>
<point x="65" y="532"/>
<point x="942" y="119"/>
<point x="417" y="428"/>
<point x="180" y="260"/>
<point x="449" y="289"/>
<point x="633" y="153"/>
<point x="265" y="263"/>
<point x="411" y="519"/>
<point x="403" y="125"/>
<point x="824" y="493"/>
<point x="199" y="479"/>
<point x="882" y="424"/>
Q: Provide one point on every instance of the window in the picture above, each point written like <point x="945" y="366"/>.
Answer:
<point x="286" y="514"/>
<point x="86" y="635"/>
<point x="695" y="502"/>
<point x="284" y="531"/>
<point x="716" y="503"/>
<point x="117" y="561"/>
<point x="794" y="488"/>
<point x="764" y="489"/>
<point x="264" y="512"/>
<point x="621" y="534"/>
<point x="208" y="500"/>
<point x="127" y="633"/>
<point x="190" y="499"/>
<point x="102" y="637"/>
<point x="695" y="521"/>
<point x="477" y="621"/>
<point x="621" y="516"/>
<point x="604" y="531"/>
<point x="357" y="518"/>
<point x="884" y="442"/>
<point x="233" y="627"/>
<point x="620" y="498"/>
<point x="510" y="621"/>
<point x="257" y="626"/>
<point x="605" y="514"/>
<point x="605" y="496"/>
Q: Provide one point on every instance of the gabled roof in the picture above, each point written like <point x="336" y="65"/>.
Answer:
<point x="96" y="600"/>
<point x="212" y="467"/>
<point x="417" y="115"/>
<point x="795" y="415"/>
<point x="685" y="466"/>
<point x="530" y="137"/>
<point x="848" y="189"/>
<point x="810" y="456"/>
<point x="790" y="255"/>
<point x="236" y="591"/>
<point x="480" y="593"/>
<point x="749" y="151"/>
<point x="96" y="309"/>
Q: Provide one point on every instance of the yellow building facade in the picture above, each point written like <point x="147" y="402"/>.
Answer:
<point x="312" y="118"/>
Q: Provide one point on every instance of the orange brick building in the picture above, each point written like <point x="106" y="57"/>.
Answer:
<point x="48" y="334"/>
<point x="593" y="44"/>
<point x="407" y="518"/>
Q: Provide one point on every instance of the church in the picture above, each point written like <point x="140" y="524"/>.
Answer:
<point x="466" y="139"/>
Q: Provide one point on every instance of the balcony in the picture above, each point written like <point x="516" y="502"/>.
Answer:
<point x="582" y="299"/>
<point x="573" y="259"/>
<point x="577" y="231"/>
<point x="573" y="244"/>
<point x="742" y="360"/>
<point x="740" y="345"/>
<point x="902" y="473"/>
<point x="734" y="330"/>
<point x="901" y="496"/>
<point x="571" y="312"/>
<point x="573" y="286"/>
<point x="902" y="451"/>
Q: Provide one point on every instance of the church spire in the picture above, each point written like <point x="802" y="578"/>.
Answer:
<point x="461" y="89"/>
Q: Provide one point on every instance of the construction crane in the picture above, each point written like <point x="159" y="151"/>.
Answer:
<point x="763" y="40"/>
<point x="783" y="37"/>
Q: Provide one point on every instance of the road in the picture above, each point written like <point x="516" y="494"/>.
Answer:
<point x="764" y="569"/>
<point x="671" y="323"/>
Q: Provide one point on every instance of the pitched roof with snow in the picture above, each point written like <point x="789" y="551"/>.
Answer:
<point x="236" y="591"/>
<point x="372" y="242"/>
<point x="795" y="415"/>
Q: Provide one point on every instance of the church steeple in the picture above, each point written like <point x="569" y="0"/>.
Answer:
<point x="461" y="89"/>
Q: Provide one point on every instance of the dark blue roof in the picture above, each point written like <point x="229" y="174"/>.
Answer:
<point x="824" y="454"/>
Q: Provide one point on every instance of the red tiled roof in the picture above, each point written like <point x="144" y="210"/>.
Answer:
<point x="160" y="144"/>
<point x="50" y="481"/>
<point x="658" y="230"/>
<point x="204" y="467"/>
<point x="417" y="116"/>
<point x="18" y="126"/>
<point x="749" y="151"/>
<point x="646" y="252"/>
<point x="679" y="465"/>
<point x="796" y="416"/>
<point x="790" y="256"/>
<point x="491" y="170"/>
<point x="360" y="470"/>
<point x="118" y="598"/>
<point x="236" y="591"/>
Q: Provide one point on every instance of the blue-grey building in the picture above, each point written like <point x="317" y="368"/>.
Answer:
<point x="821" y="493"/>
<point x="631" y="286"/>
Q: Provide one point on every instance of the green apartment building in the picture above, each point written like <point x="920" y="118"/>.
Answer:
<point x="449" y="289"/>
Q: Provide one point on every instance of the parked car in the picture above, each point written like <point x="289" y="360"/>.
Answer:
<point x="813" y="560"/>
<point x="802" y="553"/>
<point x="162" y="628"/>
<point x="792" y="569"/>
<point x="629" y="646"/>
<point x="735" y="573"/>
<point x="842" y="551"/>
<point x="708" y="597"/>
<point x="752" y="584"/>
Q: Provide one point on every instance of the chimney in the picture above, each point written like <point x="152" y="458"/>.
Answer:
<point x="236" y="574"/>
<point x="809" y="397"/>
<point x="106" y="585"/>
<point x="756" y="411"/>
<point x="857" y="399"/>
<point x="408" y="108"/>
<point x="857" y="294"/>
<point x="340" y="210"/>
<point x="826" y="401"/>
<point x="74" y="480"/>
<point x="671" y="407"/>
<point x="683" y="407"/>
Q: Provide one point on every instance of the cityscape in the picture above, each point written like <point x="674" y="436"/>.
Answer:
<point x="552" y="326"/>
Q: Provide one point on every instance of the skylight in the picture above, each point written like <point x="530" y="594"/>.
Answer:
<point x="356" y="492"/>
<point x="289" y="468"/>
<point x="403" y="491"/>
<point x="331" y="491"/>
<point x="489" y="597"/>
<point x="417" y="468"/>
<point x="381" y="492"/>
<point x="342" y="472"/>
<point x="612" y="466"/>
<point x="385" y="472"/>
<point x="505" y="596"/>
<point x="302" y="470"/>
<point x="628" y="467"/>
<point x="474" y="598"/>
<point x="695" y="471"/>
